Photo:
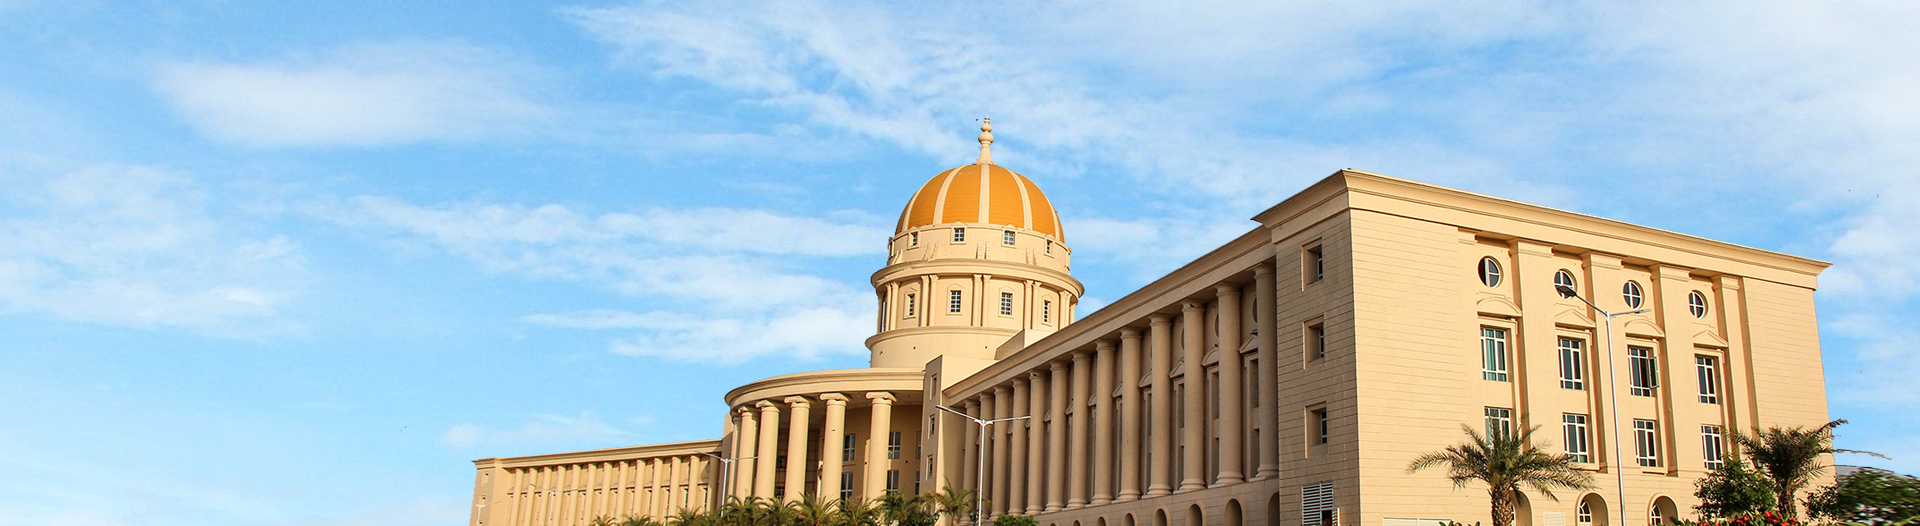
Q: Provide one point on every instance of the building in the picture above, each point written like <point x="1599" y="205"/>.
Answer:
<point x="1287" y="377"/>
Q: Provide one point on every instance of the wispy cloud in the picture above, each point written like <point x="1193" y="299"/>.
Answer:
<point x="360" y="95"/>
<point x="137" y="246"/>
<point x="547" y="430"/>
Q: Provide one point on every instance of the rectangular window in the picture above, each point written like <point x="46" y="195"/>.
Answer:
<point x="893" y="480"/>
<point x="1006" y="238"/>
<point x="1314" y="267"/>
<point x="1317" y="506"/>
<point x="911" y="306"/>
<point x="1641" y="368"/>
<point x="1493" y="354"/>
<point x="1576" y="437"/>
<point x="846" y="486"/>
<point x="1049" y="246"/>
<point x="913" y="239"/>
<point x="1709" y="369"/>
<point x="1646" y="443"/>
<point x="1046" y="311"/>
<point x="1499" y="422"/>
<point x="893" y="445"/>
<point x="1573" y="369"/>
<point x="1713" y="446"/>
<point x="846" y="449"/>
<point x="953" y="302"/>
<point x="1316" y="341"/>
<point x="1322" y="425"/>
<point x="959" y="235"/>
<point x="1006" y="304"/>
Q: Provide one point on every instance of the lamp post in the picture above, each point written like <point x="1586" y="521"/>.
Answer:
<point x="980" y="496"/>
<point x="1613" y="394"/>
<point x="726" y="473"/>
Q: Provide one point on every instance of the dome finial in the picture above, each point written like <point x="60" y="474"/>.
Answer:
<point x="986" y="141"/>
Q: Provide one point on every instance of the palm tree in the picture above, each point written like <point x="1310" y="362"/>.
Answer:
<point x="737" y="511"/>
<point x="812" y="510"/>
<point x="895" y="506"/>
<point x="1790" y="458"/>
<point x="952" y="503"/>
<point x="687" y="517"/>
<point x="601" y="520"/>
<point x="636" y="520"/>
<point x="1505" y="462"/>
<point x="857" y="512"/>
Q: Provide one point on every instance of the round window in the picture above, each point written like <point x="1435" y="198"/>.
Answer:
<point x="1631" y="292"/>
<point x="1564" y="278"/>
<point x="1697" y="304"/>
<point x="1489" y="272"/>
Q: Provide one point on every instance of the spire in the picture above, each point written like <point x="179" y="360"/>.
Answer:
<point x="986" y="141"/>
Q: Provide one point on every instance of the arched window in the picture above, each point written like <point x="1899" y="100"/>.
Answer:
<point x="1489" y="272"/>
<point x="1632" y="293"/>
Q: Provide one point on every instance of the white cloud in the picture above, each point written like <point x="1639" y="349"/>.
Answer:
<point x="135" y="246"/>
<point x="356" y="95"/>
<point x="586" y="428"/>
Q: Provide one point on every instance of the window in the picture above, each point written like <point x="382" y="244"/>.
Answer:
<point x="1499" y="422"/>
<point x="959" y="235"/>
<point x="1585" y="515"/>
<point x="1316" y="505"/>
<point x="893" y="445"/>
<point x="1049" y="246"/>
<point x="1654" y="518"/>
<point x="1709" y="369"/>
<point x="913" y="239"/>
<point x="1575" y="427"/>
<point x="846" y="449"/>
<point x="846" y="486"/>
<point x="893" y="480"/>
<point x="1646" y="443"/>
<point x="1640" y="367"/>
<point x="1006" y="304"/>
<point x="1573" y="371"/>
<point x="1046" y="311"/>
<point x="780" y="462"/>
<point x="1714" y="448"/>
<point x="1316" y="341"/>
<point x="953" y="302"/>
<point x="1316" y="265"/>
<point x="910" y="306"/>
<point x="1006" y="237"/>
<point x="1564" y="277"/>
<point x="1322" y="425"/>
<point x="1697" y="304"/>
<point x="1489" y="272"/>
<point x="1493" y="354"/>
<point x="1631" y="292"/>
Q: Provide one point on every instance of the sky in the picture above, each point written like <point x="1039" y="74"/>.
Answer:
<point x="301" y="263"/>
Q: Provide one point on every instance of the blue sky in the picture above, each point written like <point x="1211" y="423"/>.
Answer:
<point x="298" y="264"/>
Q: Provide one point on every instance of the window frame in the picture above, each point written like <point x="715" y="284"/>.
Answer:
<point x="847" y="448"/>
<point x="1697" y="304"/>
<point x="1499" y="415"/>
<point x="960" y="234"/>
<point x="954" y="299"/>
<point x="1633" y="294"/>
<point x="1646" y="443"/>
<point x="1314" y="337"/>
<point x="1570" y="281"/>
<point x="1006" y="303"/>
<point x="1573" y="365"/>
<point x="1006" y="237"/>
<point x="1046" y="312"/>
<point x="894" y="439"/>
<point x="1489" y="272"/>
<point x="1578" y="437"/>
<point x="1313" y="263"/>
<point x="1494" y="350"/>
<point x="1707" y="371"/>
<point x="1713" y="446"/>
<point x="912" y="307"/>
<point x="913" y="239"/>
<point x="1643" y="371"/>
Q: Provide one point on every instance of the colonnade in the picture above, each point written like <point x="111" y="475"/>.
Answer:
<point x="757" y="446"/>
<point x="573" y="494"/>
<point x="1071" y="454"/>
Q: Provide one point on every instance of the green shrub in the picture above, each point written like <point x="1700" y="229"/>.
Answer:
<point x="1013" y="520"/>
<point x="1732" y="490"/>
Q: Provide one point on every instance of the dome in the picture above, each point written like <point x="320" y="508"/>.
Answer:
<point x="982" y="193"/>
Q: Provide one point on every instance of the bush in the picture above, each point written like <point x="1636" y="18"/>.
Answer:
<point x="1013" y="520"/>
<point x="1871" y="496"/>
<point x="1735" y="489"/>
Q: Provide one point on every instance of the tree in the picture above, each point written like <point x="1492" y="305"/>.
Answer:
<point x="1504" y="462"/>
<point x="687" y="517"/>
<point x="952" y="503"/>
<point x="1872" y="496"/>
<point x="1790" y="458"/>
<point x="857" y="513"/>
<point x="636" y="520"/>
<point x="1013" y="520"/>
<point x="896" y="507"/>
<point x="812" y="510"/>
<point x="1733" y="489"/>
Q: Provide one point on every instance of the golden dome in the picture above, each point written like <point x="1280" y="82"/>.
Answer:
<point x="982" y="193"/>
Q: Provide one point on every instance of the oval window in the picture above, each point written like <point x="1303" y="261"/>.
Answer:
<point x="1631" y="292"/>
<point x="1489" y="272"/>
<point x="1697" y="304"/>
<point x="1564" y="278"/>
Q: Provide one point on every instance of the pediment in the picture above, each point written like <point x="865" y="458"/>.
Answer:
<point x="1707" y="337"/>
<point x="1572" y="317"/>
<point x="1640" y="326"/>
<point x="1497" y="306"/>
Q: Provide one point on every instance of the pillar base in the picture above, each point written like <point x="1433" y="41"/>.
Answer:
<point x="1266" y="472"/>
<point x="1127" y="496"/>
<point x="1190" y="485"/>
<point x="1157" y="490"/>
<point x="1076" y="504"/>
<point x="1229" y="479"/>
<point x="1100" y="500"/>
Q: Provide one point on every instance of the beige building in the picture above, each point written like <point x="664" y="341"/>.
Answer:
<point x="1287" y="377"/>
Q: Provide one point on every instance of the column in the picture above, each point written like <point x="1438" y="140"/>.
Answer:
<point x="1266" y="323"/>
<point x="673" y="489"/>
<point x="1101" y="418"/>
<point x="744" y="448"/>
<point x="880" y="419"/>
<point x="1077" y="431"/>
<point x="1231" y="386"/>
<point x="619" y="488"/>
<point x="1160" y="474"/>
<point x="1017" y="458"/>
<point x="769" y="449"/>
<point x="1194" y="431"/>
<point x="1036" y="441"/>
<point x="659" y="492"/>
<point x="834" y="440"/>
<point x="1129" y="414"/>
<point x="799" y="407"/>
<point x="999" y="464"/>
<point x="696" y="475"/>
<point x="970" y="471"/>
<point x="1057" y="437"/>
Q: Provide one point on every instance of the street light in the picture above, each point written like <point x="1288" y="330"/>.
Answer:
<point x="726" y="473"/>
<point x="1613" y="393"/>
<point x="979" y="497"/>
<point x="551" y="507"/>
